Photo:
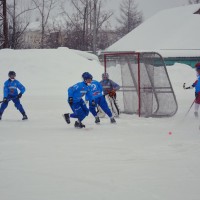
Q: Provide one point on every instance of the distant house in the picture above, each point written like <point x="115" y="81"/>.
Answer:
<point x="32" y="36"/>
<point x="32" y="39"/>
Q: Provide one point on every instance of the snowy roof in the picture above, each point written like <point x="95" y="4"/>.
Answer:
<point x="176" y="28"/>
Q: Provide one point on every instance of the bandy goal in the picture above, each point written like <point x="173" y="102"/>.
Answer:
<point x="146" y="89"/>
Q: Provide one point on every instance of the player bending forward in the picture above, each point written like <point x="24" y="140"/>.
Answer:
<point x="196" y="85"/>
<point x="77" y="104"/>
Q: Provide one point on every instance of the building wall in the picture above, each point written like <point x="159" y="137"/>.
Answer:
<point x="32" y="39"/>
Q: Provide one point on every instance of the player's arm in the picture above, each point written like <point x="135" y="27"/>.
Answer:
<point x="115" y="85"/>
<point x="71" y="91"/>
<point x="21" y="87"/>
<point x="5" y="90"/>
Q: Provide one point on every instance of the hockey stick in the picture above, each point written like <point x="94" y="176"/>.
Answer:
<point x="10" y="99"/>
<point x="192" y="102"/>
<point x="116" y="106"/>
<point x="189" y="109"/>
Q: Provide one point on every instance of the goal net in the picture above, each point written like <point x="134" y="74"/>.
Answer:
<point x="146" y="89"/>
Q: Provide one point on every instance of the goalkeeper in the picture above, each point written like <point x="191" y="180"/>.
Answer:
<point x="109" y="90"/>
<point x="109" y="86"/>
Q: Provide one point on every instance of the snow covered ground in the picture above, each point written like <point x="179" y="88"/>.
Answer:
<point x="46" y="159"/>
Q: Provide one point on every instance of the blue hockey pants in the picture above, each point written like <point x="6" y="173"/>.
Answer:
<point x="17" y="103"/>
<point x="80" y="110"/>
<point x="101" y="101"/>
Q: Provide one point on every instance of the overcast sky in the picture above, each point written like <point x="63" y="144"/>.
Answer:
<point x="148" y="7"/>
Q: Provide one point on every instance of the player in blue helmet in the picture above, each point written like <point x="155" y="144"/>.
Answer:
<point x="77" y="104"/>
<point x="11" y="87"/>
<point x="196" y="85"/>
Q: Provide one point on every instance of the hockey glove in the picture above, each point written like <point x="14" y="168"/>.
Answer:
<point x="93" y="103"/>
<point x="70" y="100"/>
<point x="191" y="87"/>
<point x="112" y="93"/>
<point x="19" y="95"/>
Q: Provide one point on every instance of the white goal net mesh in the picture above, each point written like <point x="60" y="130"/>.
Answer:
<point x="145" y="86"/>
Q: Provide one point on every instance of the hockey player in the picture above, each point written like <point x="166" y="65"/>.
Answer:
<point x="109" y="86"/>
<point x="11" y="87"/>
<point x="109" y="90"/>
<point x="77" y="104"/>
<point x="98" y="99"/>
<point x="196" y="85"/>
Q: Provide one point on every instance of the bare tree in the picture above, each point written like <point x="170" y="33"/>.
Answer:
<point x="44" y="7"/>
<point x="19" y="19"/>
<point x="95" y="27"/>
<point x="87" y="20"/>
<point x="193" y="1"/>
<point x="3" y="24"/>
<point x="130" y="17"/>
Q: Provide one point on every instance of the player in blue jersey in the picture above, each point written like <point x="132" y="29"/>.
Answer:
<point x="96" y="98"/>
<point x="77" y="104"/>
<point x="196" y="85"/>
<point x="11" y="87"/>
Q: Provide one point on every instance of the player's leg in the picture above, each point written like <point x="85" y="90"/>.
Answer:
<point x="93" y="110"/>
<point x="196" y="108"/>
<point x="103" y="104"/>
<point x="196" y="104"/>
<point x="80" y="113"/>
<point x="19" y="107"/>
<point x="4" y="105"/>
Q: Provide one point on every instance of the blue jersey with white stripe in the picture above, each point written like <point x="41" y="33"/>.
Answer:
<point x="95" y="91"/>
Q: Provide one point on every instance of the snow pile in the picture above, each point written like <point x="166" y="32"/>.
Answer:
<point x="87" y="55"/>
<point x="169" y="29"/>
<point x="46" y="72"/>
